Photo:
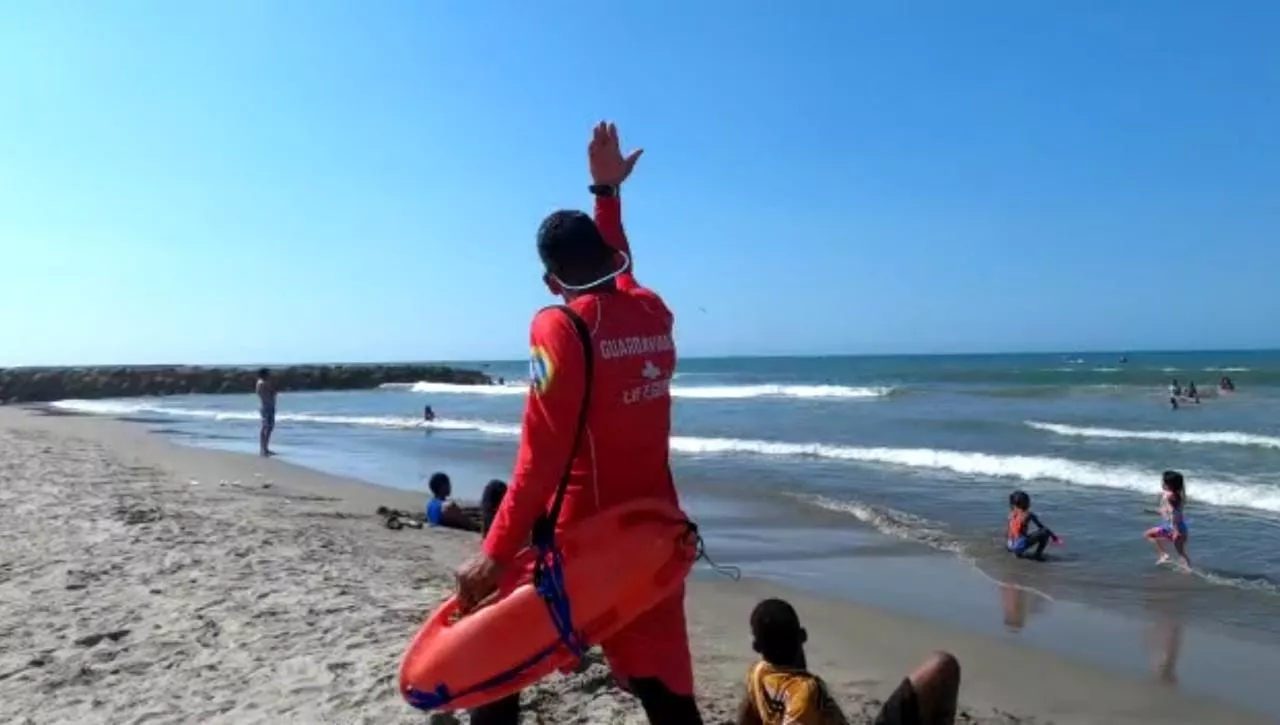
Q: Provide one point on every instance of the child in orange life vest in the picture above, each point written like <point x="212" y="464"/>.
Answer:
<point x="1022" y="542"/>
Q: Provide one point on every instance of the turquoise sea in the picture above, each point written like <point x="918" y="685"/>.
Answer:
<point x="800" y="468"/>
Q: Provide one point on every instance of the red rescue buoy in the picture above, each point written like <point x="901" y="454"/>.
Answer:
<point x="616" y="565"/>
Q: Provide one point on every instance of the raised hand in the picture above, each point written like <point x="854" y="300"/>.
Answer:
<point x="605" y="159"/>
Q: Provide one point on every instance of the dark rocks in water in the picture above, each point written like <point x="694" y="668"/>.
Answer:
<point x="27" y="385"/>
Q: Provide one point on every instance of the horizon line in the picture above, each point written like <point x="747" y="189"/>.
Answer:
<point x="748" y="356"/>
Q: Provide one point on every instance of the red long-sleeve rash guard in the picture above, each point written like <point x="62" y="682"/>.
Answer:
<point x="625" y="448"/>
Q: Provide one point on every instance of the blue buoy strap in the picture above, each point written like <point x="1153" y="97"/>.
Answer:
<point x="441" y="696"/>
<point x="549" y="581"/>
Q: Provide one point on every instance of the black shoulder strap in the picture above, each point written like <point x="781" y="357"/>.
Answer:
<point x="544" y="527"/>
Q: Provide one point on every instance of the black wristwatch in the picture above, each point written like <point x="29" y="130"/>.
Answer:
<point x="609" y="191"/>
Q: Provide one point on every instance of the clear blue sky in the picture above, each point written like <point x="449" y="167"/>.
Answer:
<point x="241" y="181"/>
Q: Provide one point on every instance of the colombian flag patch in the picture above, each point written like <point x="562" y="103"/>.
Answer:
<point x="541" y="370"/>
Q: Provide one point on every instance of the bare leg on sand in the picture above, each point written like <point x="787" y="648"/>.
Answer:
<point x="928" y="696"/>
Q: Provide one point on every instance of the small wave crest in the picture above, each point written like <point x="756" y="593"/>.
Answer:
<point x="891" y="522"/>
<point x="124" y="408"/>
<point x="454" y="389"/>
<point x="1228" y="438"/>
<point x="1237" y="580"/>
<point x="703" y="392"/>
<point x="730" y="392"/>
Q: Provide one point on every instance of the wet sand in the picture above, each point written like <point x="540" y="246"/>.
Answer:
<point x="141" y="581"/>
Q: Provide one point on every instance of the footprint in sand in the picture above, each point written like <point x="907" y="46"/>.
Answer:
<point x="90" y="640"/>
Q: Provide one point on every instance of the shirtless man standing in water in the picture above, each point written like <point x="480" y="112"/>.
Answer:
<point x="266" y="390"/>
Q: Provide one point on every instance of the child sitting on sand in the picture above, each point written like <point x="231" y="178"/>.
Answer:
<point x="1021" y="539"/>
<point x="443" y="512"/>
<point x="781" y="691"/>
<point x="1174" y="526"/>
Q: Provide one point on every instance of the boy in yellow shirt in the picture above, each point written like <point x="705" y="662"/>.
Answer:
<point x="781" y="691"/>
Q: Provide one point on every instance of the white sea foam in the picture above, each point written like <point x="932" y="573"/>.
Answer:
<point x="1226" y="438"/>
<point x="1233" y="493"/>
<point x="128" y="408"/>
<point x="106" y="407"/>
<point x="899" y="524"/>
<point x="781" y="391"/>
<point x="452" y="389"/>
<point x="1241" y="494"/>
<point x="705" y="392"/>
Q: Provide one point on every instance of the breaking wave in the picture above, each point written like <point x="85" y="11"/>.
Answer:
<point x="1226" y="438"/>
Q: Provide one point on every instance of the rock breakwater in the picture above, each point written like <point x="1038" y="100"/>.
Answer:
<point x="26" y="385"/>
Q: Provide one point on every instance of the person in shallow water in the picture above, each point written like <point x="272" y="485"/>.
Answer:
<point x="1192" y="393"/>
<point x="628" y="426"/>
<point x="1022" y="542"/>
<point x="1174" y="527"/>
<point x="266" y="391"/>
<point x="782" y="691"/>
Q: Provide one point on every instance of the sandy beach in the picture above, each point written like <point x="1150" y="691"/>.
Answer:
<point x="144" y="582"/>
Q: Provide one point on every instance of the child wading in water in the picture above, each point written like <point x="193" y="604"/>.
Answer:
<point x="1022" y="542"/>
<point x="1173" y="527"/>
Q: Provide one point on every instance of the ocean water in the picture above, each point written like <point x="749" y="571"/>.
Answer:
<point x="793" y="466"/>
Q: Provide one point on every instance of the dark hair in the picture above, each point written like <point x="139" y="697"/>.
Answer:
<point x="1173" y="482"/>
<point x="437" y="483"/>
<point x="264" y="373"/>
<point x="776" y="632"/>
<point x="1020" y="500"/>
<point x="572" y="247"/>
<point x="490" y="500"/>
